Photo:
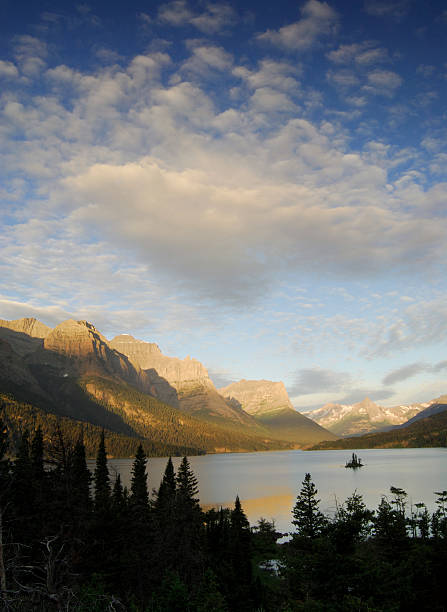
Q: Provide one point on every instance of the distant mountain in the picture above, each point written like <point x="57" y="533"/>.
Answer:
<point x="72" y="371"/>
<point x="430" y="431"/>
<point x="433" y="407"/>
<point x="362" y="417"/>
<point x="269" y="403"/>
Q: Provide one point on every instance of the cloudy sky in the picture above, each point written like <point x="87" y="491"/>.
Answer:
<point x="260" y="185"/>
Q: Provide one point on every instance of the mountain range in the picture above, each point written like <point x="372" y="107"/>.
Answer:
<point x="426" y="429"/>
<point x="363" y="417"/>
<point x="131" y="389"/>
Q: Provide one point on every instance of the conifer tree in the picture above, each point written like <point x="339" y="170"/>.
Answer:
<point x="307" y="518"/>
<point x="167" y="489"/>
<point x="139" y="496"/>
<point x="118" y="499"/>
<point x="5" y="482"/>
<point x="36" y="457"/>
<point x="187" y="486"/>
<point x="102" y="479"/>
<point x="22" y="489"/>
<point x="81" y="478"/>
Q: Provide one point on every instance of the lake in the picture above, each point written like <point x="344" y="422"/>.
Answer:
<point x="268" y="482"/>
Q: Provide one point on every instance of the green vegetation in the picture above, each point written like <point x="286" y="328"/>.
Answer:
<point x="157" y="421"/>
<point x="428" y="432"/>
<point x="128" y="416"/>
<point x="19" y="416"/>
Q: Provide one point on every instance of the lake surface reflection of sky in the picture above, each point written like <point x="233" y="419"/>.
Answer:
<point x="268" y="483"/>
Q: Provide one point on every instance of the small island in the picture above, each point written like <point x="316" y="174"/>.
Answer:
<point x="355" y="462"/>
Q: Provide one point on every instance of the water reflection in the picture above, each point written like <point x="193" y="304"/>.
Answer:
<point x="267" y="483"/>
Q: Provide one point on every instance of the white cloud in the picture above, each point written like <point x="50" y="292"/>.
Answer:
<point x="318" y="20"/>
<point x="404" y="373"/>
<point x="214" y="18"/>
<point x="309" y="381"/>
<point x="362" y="54"/>
<point x="383" y="82"/>
<point x="8" y="70"/>
<point x="387" y="8"/>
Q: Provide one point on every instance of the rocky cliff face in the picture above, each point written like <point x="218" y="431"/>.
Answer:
<point x="258" y="396"/>
<point x="362" y="417"/>
<point x="24" y="335"/>
<point x="195" y="390"/>
<point x="147" y="355"/>
<point x="269" y="403"/>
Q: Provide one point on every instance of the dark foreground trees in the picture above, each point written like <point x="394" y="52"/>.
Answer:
<point x="70" y="541"/>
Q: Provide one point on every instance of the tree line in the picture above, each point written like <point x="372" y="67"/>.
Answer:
<point x="75" y="540"/>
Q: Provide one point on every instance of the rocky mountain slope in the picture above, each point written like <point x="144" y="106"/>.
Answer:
<point x="73" y="371"/>
<point x="362" y="417"/>
<point x="269" y="403"/>
<point x="428" y="409"/>
<point x="195" y="391"/>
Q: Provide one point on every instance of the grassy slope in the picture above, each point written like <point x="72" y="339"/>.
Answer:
<point x="290" y="425"/>
<point x="428" y="432"/>
<point x="154" y="420"/>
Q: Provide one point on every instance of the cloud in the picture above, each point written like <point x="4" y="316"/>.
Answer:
<point x="404" y="373"/>
<point x="8" y="70"/>
<point x="383" y="82"/>
<point x="318" y="380"/>
<point x="396" y="9"/>
<point x="207" y="59"/>
<point x="362" y="54"/>
<point x="420" y="324"/>
<point x="318" y="20"/>
<point x="411" y="370"/>
<point x="214" y="18"/>
<point x="221" y="200"/>
<point x="30" y="53"/>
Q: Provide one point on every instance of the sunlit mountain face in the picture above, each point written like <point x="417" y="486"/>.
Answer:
<point x="260" y="186"/>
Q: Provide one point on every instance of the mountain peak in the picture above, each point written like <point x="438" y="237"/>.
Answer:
<point x="28" y="325"/>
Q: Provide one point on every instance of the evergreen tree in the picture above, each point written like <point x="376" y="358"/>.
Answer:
<point x="102" y="479"/>
<point x="240" y="592"/>
<point x="22" y="490"/>
<point x="167" y="489"/>
<point x="139" y="496"/>
<point x="118" y="499"/>
<point x="36" y="457"/>
<point x="81" y="479"/>
<point x="187" y="532"/>
<point x="187" y="486"/>
<point x="307" y="518"/>
<point x="5" y="483"/>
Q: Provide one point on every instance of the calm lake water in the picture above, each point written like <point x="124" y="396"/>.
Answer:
<point x="268" y="483"/>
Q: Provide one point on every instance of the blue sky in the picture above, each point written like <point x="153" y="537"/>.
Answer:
<point x="262" y="186"/>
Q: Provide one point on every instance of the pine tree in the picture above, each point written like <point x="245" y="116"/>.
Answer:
<point x="81" y="479"/>
<point x="5" y="483"/>
<point x="167" y="489"/>
<point x="118" y="499"/>
<point x="36" y="456"/>
<point x="187" y="486"/>
<point x="102" y="479"/>
<point x="139" y="496"/>
<point x="240" y="592"/>
<point x="307" y="518"/>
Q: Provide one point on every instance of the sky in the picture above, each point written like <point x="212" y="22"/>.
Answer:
<point x="262" y="186"/>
